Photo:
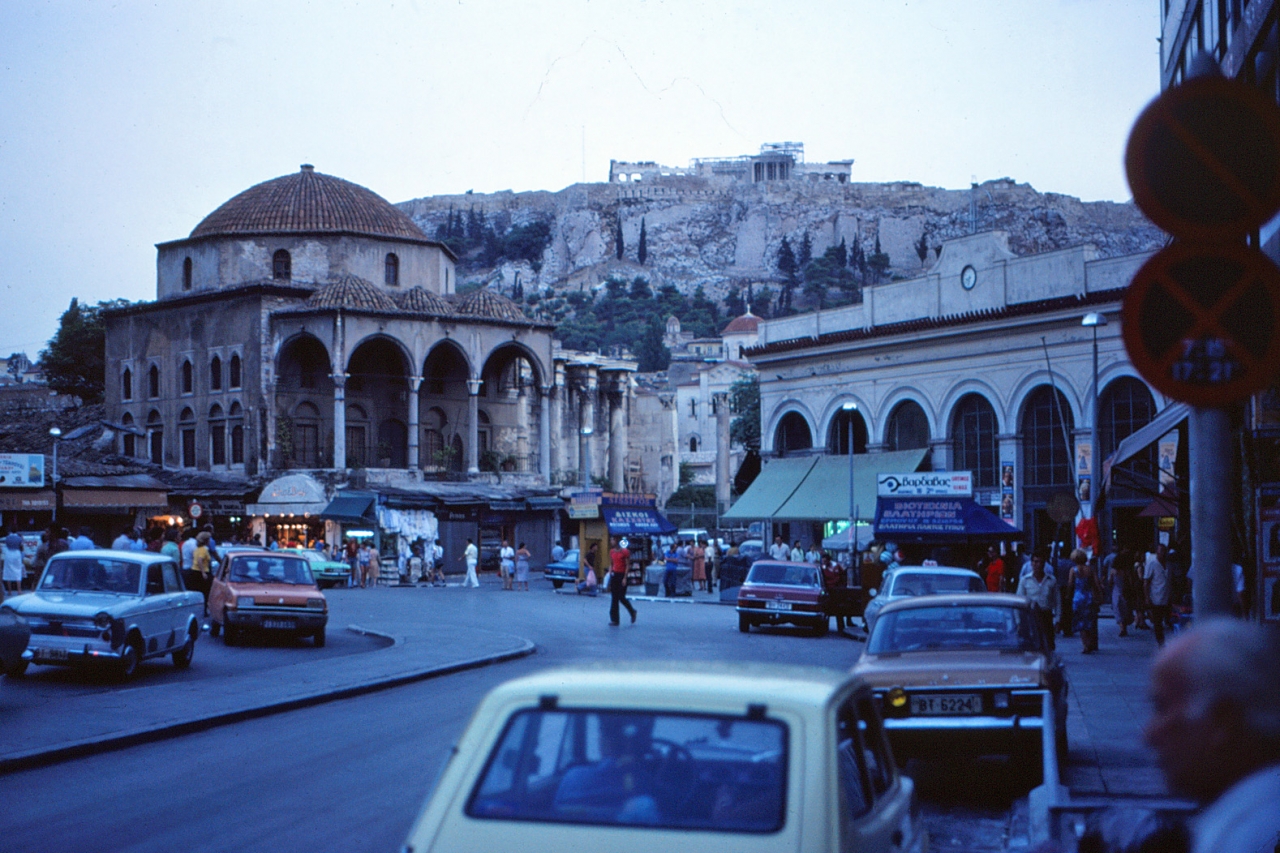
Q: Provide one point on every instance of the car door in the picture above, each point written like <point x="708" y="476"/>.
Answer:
<point x="875" y="802"/>
<point x="219" y="592"/>
<point x="181" y="606"/>
<point x="155" y="616"/>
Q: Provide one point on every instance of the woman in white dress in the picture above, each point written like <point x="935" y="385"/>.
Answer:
<point x="12" y="562"/>
<point x="507" y="563"/>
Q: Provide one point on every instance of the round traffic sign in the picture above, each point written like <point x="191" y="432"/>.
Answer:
<point x="1202" y="323"/>
<point x="196" y="510"/>
<point x="1203" y="159"/>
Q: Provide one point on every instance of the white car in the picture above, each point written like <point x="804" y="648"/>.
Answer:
<point x="109" y="607"/>
<point x="907" y="581"/>
<point x="677" y="756"/>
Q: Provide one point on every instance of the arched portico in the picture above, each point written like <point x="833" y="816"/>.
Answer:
<point x="509" y="379"/>
<point x="378" y="383"/>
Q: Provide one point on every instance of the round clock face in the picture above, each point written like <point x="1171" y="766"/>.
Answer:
<point x="968" y="278"/>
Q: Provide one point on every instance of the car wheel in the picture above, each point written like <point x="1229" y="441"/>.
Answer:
<point x="130" y="658"/>
<point x="230" y="634"/>
<point x="821" y="626"/>
<point x="557" y="584"/>
<point x="182" y="657"/>
<point x="318" y="638"/>
<point x="215" y="628"/>
<point x="19" y="669"/>
<point x="744" y="623"/>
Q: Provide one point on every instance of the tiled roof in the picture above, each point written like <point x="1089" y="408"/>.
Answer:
<point x="420" y="301"/>
<point x="493" y="306"/>
<point x="1021" y="309"/>
<point x="745" y="325"/>
<point x="308" y="202"/>
<point x="352" y="292"/>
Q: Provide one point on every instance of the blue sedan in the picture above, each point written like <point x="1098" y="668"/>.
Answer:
<point x="564" y="570"/>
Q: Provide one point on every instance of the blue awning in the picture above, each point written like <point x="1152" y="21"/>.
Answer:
<point x="636" y="521"/>
<point x="940" y="518"/>
<point x="350" y="509"/>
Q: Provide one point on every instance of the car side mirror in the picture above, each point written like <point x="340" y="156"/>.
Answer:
<point x="874" y="592"/>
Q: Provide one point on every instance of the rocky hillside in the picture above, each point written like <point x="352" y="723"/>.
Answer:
<point x="725" y="235"/>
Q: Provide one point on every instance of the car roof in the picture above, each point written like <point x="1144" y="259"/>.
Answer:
<point x="957" y="599"/>
<point x="691" y="685"/>
<point x="145" y="557"/>
<point x="770" y="562"/>
<point x="935" y="570"/>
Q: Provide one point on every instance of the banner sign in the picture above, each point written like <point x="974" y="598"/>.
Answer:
<point x="953" y="484"/>
<point x="24" y="470"/>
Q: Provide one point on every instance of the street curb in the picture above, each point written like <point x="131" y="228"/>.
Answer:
<point x="94" y="746"/>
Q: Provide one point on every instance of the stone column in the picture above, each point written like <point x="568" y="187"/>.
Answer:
<point x="415" y="430"/>
<point x="544" y="433"/>
<point x="561" y="451"/>
<point x="940" y="453"/>
<point x="721" y="403"/>
<point x="339" y="420"/>
<point x="588" y="416"/>
<point x="522" y="429"/>
<point x="473" y="426"/>
<point x="618" y="434"/>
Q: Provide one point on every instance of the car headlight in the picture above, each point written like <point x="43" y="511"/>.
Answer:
<point x="896" y="698"/>
<point x="243" y="601"/>
<point x="102" y="620"/>
<point x="315" y="603"/>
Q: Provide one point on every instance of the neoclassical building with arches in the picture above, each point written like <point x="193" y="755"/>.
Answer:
<point x="984" y="361"/>
<point x="309" y="324"/>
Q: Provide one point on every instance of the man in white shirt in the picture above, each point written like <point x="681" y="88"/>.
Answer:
<point x="813" y="555"/>
<point x="1215" y="728"/>
<point x="188" y="549"/>
<point x="1041" y="589"/>
<point x="1155" y="585"/>
<point x="123" y="542"/>
<point x="779" y="550"/>
<point x="472" y="556"/>
<point x="797" y="553"/>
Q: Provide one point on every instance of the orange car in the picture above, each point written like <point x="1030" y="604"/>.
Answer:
<point x="266" y="591"/>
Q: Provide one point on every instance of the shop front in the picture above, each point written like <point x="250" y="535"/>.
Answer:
<point x="110" y="505"/>
<point x="633" y="517"/>
<point x="351" y="516"/>
<point x="26" y="510"/>
<point x="209" y="500"/>
<point x="288" y="512"/>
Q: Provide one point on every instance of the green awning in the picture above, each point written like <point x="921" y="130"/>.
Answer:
<point x="824" y="494"/>
<point x="771" y="488"/>
<point x="350" y="509"/>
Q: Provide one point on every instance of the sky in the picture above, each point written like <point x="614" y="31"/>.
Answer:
<point x="123" y="124"/>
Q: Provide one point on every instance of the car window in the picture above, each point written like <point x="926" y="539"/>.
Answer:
<point x="172" y="583"/>
<point x="269" y="568"/>
<point x="637" y="768"/>
<point x="92" y="574"/>
<point x="921" y="583"/>
<point x="862" y="756"/>
<point x="155" y="580"/>
<point x="953" y="628"/>
<point x="785" y="575"/>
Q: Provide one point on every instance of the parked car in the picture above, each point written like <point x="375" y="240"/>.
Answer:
<point x="258" y="590"/>
<point x="908" y="581"/>
<point x="564" y="570"/>
<point x="109" y="607"/>
<point x="676" y="756"/>
<point x="14" y="634"/>
<point x="964" y="673"/>
<point x="753" y="548"/>
<point x="777" y="592"/>
<point x="328" y="573"/>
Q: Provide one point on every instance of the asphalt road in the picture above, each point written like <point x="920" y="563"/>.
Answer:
<point x="351" y="775"/>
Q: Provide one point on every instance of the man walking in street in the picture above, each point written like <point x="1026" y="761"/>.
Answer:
<point x="1215" y="728"/>
<point x="619" y="559"/>
<point x="1041" y="589"/>
<point x="779" y="550"/>
<point x="472" y="556"/>
<point x="1155" y="583"/>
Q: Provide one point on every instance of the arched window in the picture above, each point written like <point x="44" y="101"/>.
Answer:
<point x="393" y="443"/>
<point x="237" y="434"/>
<point x="306" y="435"/>
<point x="186" y="273"/>
<point x="482" y="431"/>
<point x="217" y="436"/>
<point x="693" y="444"/>
<point x="129" y="440"/>
<point x="434" y="424"/>
<point x="792" y="434"/>
<point x="908" y="428"/>
<point x="391" y="271"/>
<point x="974" y="444"/>
<point x="281" y="266"/>
<point x="233" y="372"/>
<point x="188" y="378"/>
<point x="1125" y="407"/>
<point x="215" y="374"/>
<point x="455" y="455"/>
<point x="153" y="382"/>
<point x="126" y="384"/>
<point x="1046" y="458"/>
<point x="187" y="430"/>
<point x="838" y="433"/>
<point x="155" y="437"/>
<point x="357" y="437"/>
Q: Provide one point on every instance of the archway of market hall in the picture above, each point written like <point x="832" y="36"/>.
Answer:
<point x="377" y="406"/>
<point x="510" y="397"/>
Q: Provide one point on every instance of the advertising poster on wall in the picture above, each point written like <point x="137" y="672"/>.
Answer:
<point x="1006" y="490"/>
<point x="25" y="470"/>
<point x="1269" y="551"/>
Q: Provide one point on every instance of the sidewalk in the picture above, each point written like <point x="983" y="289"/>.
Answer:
<point x="421" y="648"/>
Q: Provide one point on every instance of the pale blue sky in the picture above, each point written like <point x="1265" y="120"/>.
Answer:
<point x="123" y="125"/>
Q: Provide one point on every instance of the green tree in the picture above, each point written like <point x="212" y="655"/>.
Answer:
<point x="74" y="361"/>
<point x="789" y="266"/>
<point x="619" y="245"/>
<point x="640" y="288"/>
<point x="651" y="353"/>
<point x="878" y="262"/>
<point x="806" y="252"/>
<point x="642" y="250"/>
<point x="734" y="304"/>
<point x="744" y="403"/>
<point x="922" y="247"/>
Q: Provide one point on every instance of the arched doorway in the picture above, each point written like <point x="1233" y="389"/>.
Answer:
<point x="907" y="428"/>
<point x="975" y="445"/>
<point x="378" y="384"/>
<point x="838" y="432"/>
<point x="1046" y="424"/>
<point x="443" y="397"/>
<point x="509" y="387"/>
<point x="304" y="403"/>
<point x="792" y="434"/>
<point x="1124" y="407"/>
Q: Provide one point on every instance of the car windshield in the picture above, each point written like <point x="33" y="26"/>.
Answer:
<point x="772" y="573"/>
<point x="92" y="574"/>
<point x="637" y="768"/>
<point x="930" y="583"/>
<point x="954" y="628"/>
<point x="270" y="568"/>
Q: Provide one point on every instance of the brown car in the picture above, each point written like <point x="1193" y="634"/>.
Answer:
<point x="266" y="591"/>
<point x="964" y="673"/>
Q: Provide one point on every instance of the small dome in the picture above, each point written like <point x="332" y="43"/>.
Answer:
<point x="493" y="306"/>
<point x="421" y="301"/>
<point x="747" y="324"/>
<point x="352" y="292"/>
<point x="308" y="202"/>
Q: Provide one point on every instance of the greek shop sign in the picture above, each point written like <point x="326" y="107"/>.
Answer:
<point x="945" y="484"/>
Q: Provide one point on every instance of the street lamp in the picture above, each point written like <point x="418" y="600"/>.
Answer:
<point x="1093" y="320"/>
<point x="848" y="409"/>
<point x="586" y="456"/>
<point x="56" y="433"/>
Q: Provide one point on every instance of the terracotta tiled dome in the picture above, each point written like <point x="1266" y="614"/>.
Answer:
<point x="308" y="202"/>
<point x="747" y="324"/>
<point x="352" y="292"/>
<point x="493" y="306"/>
<point x="421" y="301"/>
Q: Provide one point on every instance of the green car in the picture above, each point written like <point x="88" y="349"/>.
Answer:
<point x="328" y="573"/>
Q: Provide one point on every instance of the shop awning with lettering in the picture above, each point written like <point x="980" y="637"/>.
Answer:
<point x="636" y="521"/>
<point x="936" y="519"/>
<point x="27" y="500"/>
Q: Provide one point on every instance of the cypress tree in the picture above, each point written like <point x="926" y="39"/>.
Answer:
<point x="619" y="245"/>
<point x="642" y="250"/>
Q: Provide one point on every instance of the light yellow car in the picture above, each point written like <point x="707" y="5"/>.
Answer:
<point x="689" y="756"/>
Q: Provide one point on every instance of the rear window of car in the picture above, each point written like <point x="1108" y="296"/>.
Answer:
<point x="92" y="574"/>
<point x="954" y="628"/>
<point x="923" y="583"/>
<point x="794" y="575"/>
<point x="636" y="768"/>
<point x="269" y="568"/>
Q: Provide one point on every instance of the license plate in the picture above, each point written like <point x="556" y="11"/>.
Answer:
<point x="50" y="654"/>
<point x="947" y="703"/>
<point x="277" y="623"/>
<point x="777" y="605"/>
